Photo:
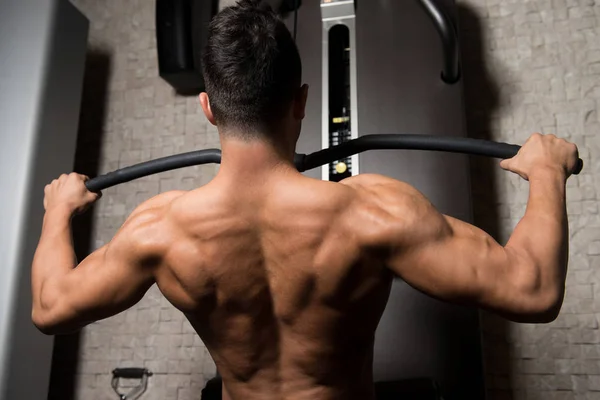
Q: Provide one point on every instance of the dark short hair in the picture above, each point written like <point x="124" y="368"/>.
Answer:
<point x="251" y="67"/>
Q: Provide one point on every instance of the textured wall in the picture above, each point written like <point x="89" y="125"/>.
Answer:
<point x="535" y="66"/>
<point x="130" y="115"/>
<point x="529" y="65"/>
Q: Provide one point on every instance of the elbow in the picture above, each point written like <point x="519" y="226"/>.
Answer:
<point x="48" y="321"/>
<point x="550" y="306"/>
<point x="542" y="314"/>
<point x="537" y="311"/>
<point x="41" y="322"/>
<point x="540" y="305"/>
<point x="51" y="322"/>
<point x="48" y="311"/>
<point x="534" y="297"/>
<point x="534" y="293"/>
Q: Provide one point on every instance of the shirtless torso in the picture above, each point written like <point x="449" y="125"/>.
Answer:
<point x="283" y="286"/>
<point x="285" y="277"/>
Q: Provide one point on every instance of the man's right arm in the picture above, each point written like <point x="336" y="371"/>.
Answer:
<point x="449" y="259"/>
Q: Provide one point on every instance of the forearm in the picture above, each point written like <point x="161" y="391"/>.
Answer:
<point x="54" y="256"/>
<point x="541" y="237"/>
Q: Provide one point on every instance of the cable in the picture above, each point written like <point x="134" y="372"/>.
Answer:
<point x="295" y="19"/>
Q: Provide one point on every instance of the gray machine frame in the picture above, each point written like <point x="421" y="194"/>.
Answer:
<point x="332" y="14"/>
<point x="42" y="59"/>
<point x="398" y="61"/>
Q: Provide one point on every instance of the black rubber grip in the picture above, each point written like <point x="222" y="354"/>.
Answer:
<point x="306" y="162"/>
<point x="130" y="373"/>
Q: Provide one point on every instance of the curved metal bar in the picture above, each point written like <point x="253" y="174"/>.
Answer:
<point x="447" y="31"/>
<point x="409" y="142"/>
<point x="210" y="156"/>
<point x="306" y="162"/>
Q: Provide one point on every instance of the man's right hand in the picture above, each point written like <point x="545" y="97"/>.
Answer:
<point x="69" y="192"/>
<point x="543" y="153"/>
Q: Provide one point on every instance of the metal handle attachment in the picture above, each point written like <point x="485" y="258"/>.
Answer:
<point x="447" y="31"/>
<point x="130" y="373"/>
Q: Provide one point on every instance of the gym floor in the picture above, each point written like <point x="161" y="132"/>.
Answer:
<point x="528" y="66"/>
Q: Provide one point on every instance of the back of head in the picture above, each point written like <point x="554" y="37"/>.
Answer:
<point x="251" y="67"/>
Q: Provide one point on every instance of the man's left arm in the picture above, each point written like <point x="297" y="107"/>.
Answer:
<point x="67" y="296"/>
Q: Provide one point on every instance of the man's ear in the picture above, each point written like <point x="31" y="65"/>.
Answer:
<point x="300" y="102"/>
<point x="205" y="104"/>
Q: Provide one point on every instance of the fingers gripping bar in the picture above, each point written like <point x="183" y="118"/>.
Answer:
<point x="305" y="162"/>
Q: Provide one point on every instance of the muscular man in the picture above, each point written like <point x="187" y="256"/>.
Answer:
<point x="285" y="277"/>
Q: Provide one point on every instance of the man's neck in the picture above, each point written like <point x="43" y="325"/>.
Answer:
<point x="247" y="162"/>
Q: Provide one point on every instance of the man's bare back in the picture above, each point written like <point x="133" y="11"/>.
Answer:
<point x="285" y="277"/>
<point x="280" y="283"/>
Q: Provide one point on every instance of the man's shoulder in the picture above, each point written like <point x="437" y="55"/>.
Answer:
<point x="148" y="227"/>
<point x="382" y="207"/>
